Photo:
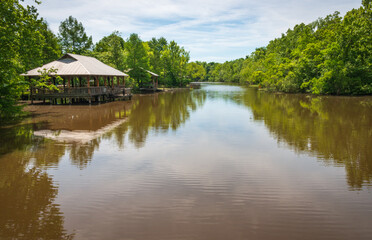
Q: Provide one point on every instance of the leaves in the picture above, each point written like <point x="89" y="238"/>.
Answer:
<point x="26" y="43"/>
<point x="73" y="38"/>
<point x="329" y="56"/>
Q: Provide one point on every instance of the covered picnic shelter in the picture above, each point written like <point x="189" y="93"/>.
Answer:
<point x="84" y="79"/>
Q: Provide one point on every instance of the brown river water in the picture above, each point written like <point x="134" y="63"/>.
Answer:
<point x="221" y="162"/>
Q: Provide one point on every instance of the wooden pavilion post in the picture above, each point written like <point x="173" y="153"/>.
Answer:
<point x="68" y="88"/>
<point x="97" y="79"/>
<point x="105" y="80"/>
<point x="31" y="90"/>
<point x="118" y="81"/>
<point x="88" y="85"/>
<point x="112" y="81"/>
<point x="68" y="82"/>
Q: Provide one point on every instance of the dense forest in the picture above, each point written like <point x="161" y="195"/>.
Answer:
<point x="332" y="55"/>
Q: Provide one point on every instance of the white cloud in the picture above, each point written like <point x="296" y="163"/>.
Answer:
<point x="212" y="30"/>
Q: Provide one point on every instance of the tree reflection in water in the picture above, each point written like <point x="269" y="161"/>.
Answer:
<point x="160" y="113"/>
<point x="26" y="199"/>
<point x="335" y="129"/>
<point x="27" y="192"/>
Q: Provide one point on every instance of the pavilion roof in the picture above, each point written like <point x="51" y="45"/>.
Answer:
<point x="77" y="65"/>
<point x="151" y="73"/>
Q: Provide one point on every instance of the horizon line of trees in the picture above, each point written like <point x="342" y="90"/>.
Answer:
<point x="332" y="55"/>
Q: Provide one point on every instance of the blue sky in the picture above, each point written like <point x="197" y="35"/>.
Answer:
<point x="211" y="30"/>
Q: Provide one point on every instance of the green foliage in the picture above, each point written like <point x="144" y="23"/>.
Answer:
<point x="73" y="38"/>
<point x="44" y="81"/>
<point x="332" y="55"/>
<point x="110" y="50"/>
<point x="137" y="60"/>
<point x="51" y="49"/>
<point x="175" y="59"/>
<point x="329" y="56"/>
<point x="168" y="60"/>
<point x="156" y="48"/>
<point x="332" y="128"/>
<point x="26" y="43"/>
<point x="229" y="71"/>
<point x="195" y="71"/>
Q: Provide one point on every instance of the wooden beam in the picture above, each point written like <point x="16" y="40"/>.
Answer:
<point x="31" y="90"/>
<point x="68" y="81"/>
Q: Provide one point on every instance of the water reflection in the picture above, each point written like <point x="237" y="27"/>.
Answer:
<point x="161" y="113"/>
<point x="337" y="130"/>
<point x="201" y="164"/>
<point x="26" y="200"/>
<point x="27" y="192"/>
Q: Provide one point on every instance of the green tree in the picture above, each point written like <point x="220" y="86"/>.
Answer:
<point x="51" y="48"/>
<point x="73" y="38"/>
<point x="175" y="59"/>
<point x="26" y="43"/>
<point x="157" y="46"/>
<point x="195" y="71"/>
<point x="110" y="50"/>
<point x="329" y="56"/>
<point x="137" y="60"/>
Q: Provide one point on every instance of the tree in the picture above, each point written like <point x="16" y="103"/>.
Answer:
<point x="329" y="56"/>
<point x="157" y="47"/>
<point x="73" y="38"/>
<point x="175" y="59"/>
<point x="195" y="71"/>
<point x="110" y="50"/>
<point x="26" y="42"/>
<point x="137" y="60"/>
<point x="51" y="48"/>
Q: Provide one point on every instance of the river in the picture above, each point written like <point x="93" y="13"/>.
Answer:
<point x="220" y="162"/>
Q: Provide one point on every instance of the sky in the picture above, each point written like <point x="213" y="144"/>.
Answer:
<point x="211" y="30"/>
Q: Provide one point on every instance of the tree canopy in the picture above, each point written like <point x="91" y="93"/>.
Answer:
<point x="137" y="60"/>
<point x="26" y="43"/>
<point x="110" y="50"/>
<point x="332" y="55"/>
<point x="73" y="38"/>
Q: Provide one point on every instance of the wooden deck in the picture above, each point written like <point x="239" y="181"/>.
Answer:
<point x="86" y="93"/>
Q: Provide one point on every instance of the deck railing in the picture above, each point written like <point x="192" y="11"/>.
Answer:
<point x="82" y="91"/>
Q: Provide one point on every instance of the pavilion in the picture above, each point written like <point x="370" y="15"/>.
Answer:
<point x="84" y="79"/>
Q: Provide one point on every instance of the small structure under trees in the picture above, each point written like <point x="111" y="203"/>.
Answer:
<point x="154" y="79"/>
<point x="78" y="78"/>
<point x="147" y="86"/>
